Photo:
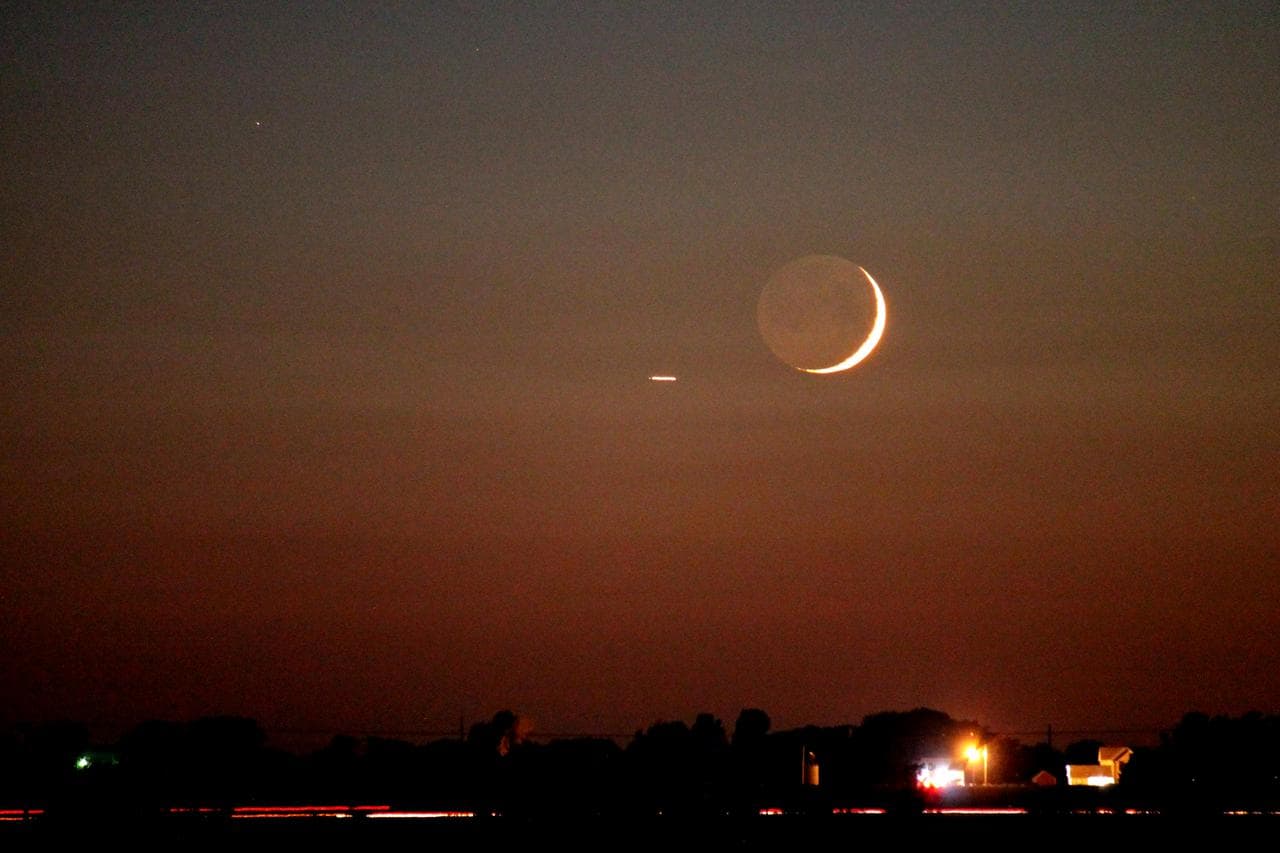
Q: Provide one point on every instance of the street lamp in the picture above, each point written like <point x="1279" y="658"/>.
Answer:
<point x="974" y="753"/>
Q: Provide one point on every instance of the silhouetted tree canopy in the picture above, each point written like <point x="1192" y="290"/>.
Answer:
<point x="751" y="727"/>
<point x="671" y="767"/>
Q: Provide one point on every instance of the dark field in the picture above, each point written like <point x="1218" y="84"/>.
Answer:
<point x="770" y="832"/>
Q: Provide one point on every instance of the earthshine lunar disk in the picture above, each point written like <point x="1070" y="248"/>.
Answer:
<point x="818" y="315"/>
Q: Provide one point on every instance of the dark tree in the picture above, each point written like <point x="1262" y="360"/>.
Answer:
<point x="751" y="727"/>
<point x="1082" y="752"/>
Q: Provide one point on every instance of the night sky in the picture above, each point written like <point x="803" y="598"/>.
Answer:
<point x="328" y="329"/>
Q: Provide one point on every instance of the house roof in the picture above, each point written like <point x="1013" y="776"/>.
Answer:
<point x="1044" y="779"/>
<point x="1114" y="754"/>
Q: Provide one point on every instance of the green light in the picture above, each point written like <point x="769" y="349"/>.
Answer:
<point x="82" y="762"/>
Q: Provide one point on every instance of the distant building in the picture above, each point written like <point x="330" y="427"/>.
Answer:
<point x="1044" y="779"/>
<point x="1106" y="772"/>
<point x="938" y="773"/>
<point x="809" y="769"/>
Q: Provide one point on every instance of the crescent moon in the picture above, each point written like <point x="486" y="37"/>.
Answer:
<point x="877" y="331"/>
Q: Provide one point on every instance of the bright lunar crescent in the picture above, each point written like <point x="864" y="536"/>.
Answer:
<point x="818" y="314"/>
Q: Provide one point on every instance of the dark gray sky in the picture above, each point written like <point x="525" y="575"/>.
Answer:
<point x="327" y="333"/>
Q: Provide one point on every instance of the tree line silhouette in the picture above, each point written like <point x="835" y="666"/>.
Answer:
<point x="669" y="768"/>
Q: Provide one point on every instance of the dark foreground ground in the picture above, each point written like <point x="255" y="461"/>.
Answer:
<point x="766" y="832"/>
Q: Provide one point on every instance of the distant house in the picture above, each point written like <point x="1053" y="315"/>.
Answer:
<point x="1044" y="779"/>
<point x="1106" y="772"/>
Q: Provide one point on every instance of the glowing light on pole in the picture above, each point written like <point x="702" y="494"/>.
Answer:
<point x="974" y="753"/>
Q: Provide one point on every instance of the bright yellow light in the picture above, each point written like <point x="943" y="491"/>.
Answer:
<point x="973" y="753"/>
